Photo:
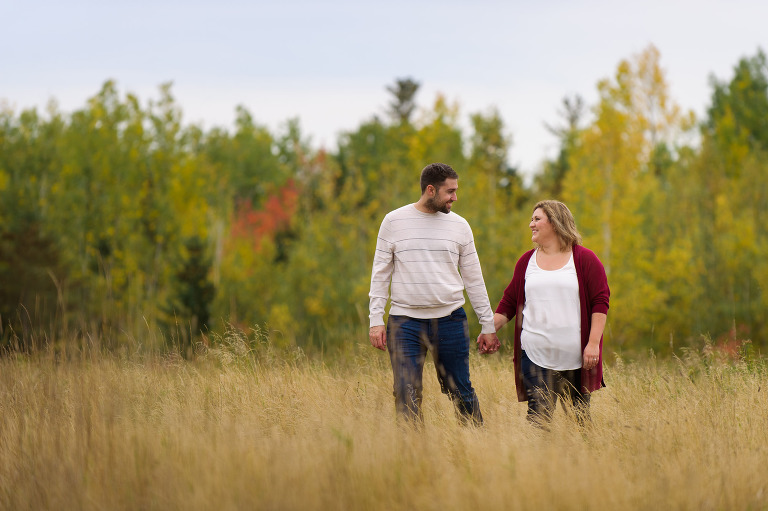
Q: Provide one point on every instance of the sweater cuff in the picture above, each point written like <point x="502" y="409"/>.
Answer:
<point x="377" y="321"/>
<point x="488" y="328"/>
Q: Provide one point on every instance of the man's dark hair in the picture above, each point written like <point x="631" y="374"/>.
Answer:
<point x="435" y="174"/>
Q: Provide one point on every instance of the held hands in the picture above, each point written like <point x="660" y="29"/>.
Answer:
<point x="488" y="343"/>
<point x="378" y="336"/>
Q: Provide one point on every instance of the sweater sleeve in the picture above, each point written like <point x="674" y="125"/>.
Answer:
<point x="474" y="284"/>
<point x="381" y="275"/>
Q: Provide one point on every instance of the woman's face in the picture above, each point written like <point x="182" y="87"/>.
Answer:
<point x="541" y="230"/>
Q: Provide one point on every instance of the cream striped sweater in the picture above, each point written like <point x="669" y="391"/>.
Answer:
<point x="429" y="259"/>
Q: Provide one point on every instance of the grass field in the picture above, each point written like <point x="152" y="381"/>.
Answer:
<point x="245" y="428"/>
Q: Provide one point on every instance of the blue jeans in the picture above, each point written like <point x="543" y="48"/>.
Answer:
<point x="543" y="387"/>
<point x="447" y="338"/>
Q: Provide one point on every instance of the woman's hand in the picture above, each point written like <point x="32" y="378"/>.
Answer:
<point x="592" y="351"/>
<point x="591" y="356"/>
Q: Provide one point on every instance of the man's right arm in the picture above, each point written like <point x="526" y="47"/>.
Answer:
<point x="381" y="275"/>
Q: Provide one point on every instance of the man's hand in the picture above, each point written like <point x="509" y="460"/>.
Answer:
<point x="378" y="336"/>
<point x="488" y="343"/>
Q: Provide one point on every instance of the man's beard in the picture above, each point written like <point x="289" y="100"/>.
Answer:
<point x="437" y="207"/>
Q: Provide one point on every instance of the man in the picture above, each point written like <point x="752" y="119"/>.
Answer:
<point x="427" y="253"/>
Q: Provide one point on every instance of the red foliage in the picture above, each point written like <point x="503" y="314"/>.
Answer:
<point x="731" y="344"/>
<point x="274" y="217"/>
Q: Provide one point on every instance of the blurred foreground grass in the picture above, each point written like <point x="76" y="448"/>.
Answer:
<point x="244" y="427"/>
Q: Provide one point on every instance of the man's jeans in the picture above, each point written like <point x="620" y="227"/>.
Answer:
<point x="447" y="338"/>
<point x="543" y="387"/>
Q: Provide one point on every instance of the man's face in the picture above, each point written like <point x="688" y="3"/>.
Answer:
<point x="442" y="198"/>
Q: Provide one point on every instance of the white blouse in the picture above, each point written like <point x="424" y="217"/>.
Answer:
<point x="551" y="335"/>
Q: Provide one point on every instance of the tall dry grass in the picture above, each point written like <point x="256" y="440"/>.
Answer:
<point x="247" y="428"/>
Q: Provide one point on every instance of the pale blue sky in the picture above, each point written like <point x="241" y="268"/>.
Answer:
<point x="328" y="62"/>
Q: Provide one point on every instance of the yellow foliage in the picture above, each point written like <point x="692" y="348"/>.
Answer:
<point x="282" y="322"/>
<point x="315" y="305"/>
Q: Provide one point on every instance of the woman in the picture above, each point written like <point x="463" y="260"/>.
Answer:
<point x="559" y="298"/>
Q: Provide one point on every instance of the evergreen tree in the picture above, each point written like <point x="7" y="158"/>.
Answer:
<point x="402" y="105"/>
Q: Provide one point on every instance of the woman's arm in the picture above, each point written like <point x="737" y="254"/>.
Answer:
<point x="499" y="320"/>
<point x="592" y="351"/>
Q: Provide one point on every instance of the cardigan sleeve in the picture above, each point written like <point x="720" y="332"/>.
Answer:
<point x="508" y="304"/>
<point x="598" y="292"/>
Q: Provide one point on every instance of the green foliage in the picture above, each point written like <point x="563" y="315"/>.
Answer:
<point x="192" y="289"/>
<point x="494" y="202"/>
<point x="730" y="175"/>
<point x="28" y="261"/>
<point x="738" y="116"/>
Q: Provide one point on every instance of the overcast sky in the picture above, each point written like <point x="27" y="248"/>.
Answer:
<point x="328" y="62"/>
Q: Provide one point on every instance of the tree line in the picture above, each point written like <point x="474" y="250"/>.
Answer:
<point x="118" y="219"/>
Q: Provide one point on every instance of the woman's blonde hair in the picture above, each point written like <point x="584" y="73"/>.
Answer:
<point x="562" y="222"/>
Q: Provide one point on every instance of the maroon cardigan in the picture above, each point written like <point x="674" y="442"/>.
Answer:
<point x="593" y="296"/>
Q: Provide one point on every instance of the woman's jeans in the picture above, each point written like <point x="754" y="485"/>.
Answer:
<point x="544" y="386"/>
<point x="447" y="338"/>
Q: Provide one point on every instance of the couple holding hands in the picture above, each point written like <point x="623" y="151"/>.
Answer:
<point x="426" y="258"/>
